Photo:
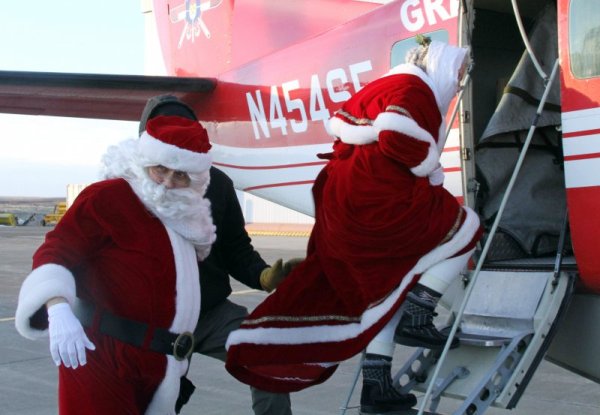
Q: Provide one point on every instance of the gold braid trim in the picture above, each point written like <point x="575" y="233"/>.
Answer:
<point x="454" y="228"/>
<point x="355" y="120"/>
<point x="302" y="319"/>
<point x="367" y="121"/>
<point x="399" y="110"/>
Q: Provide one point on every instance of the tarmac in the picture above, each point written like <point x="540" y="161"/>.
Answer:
<point x="28" y="378"/>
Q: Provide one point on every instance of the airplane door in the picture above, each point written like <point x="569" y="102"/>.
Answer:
<point x="579" y="51"/>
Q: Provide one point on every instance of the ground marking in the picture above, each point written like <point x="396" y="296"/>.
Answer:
<point x="245" y="292"/>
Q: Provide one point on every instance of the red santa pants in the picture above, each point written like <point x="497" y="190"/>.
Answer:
<point x="117" y="379"/>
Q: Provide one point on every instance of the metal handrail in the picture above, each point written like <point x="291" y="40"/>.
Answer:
<point x="537" y="65"/>
<point x="465" y="82"/>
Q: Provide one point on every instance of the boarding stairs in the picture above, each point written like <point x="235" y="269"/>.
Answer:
<point x="506" y="328"/>
<point x="507" y="325"/>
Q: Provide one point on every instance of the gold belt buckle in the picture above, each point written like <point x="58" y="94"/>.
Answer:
<point x="185" y="339"/>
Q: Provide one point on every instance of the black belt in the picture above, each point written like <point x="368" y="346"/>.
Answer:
<point x="132" y="332"/>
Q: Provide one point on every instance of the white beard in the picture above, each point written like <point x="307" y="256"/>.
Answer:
<point x="184" y="210"/>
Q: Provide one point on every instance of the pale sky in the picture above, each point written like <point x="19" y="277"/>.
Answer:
<point x="40" y="156"/>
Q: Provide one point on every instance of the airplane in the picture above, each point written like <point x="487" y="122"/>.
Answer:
<point x="265" y="76"/>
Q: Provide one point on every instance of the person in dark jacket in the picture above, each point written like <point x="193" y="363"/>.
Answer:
<point x="232" y="254"/>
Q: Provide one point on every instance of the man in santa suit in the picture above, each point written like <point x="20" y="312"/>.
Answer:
<point x="384" y="225"/>
<point x="123" y="263"/>
<point x="232" y="256"/>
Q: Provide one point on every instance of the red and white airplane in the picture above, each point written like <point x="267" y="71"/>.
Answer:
<point x="264" y="76"/>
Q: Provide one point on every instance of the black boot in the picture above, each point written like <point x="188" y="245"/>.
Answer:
<point x="378" y="395"/>
<point x="416" y="326"/>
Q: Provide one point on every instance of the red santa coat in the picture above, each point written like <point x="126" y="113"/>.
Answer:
<point x="109" y="250"/>
<point x="379" y="223"/>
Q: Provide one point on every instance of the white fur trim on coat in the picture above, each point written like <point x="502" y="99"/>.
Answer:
<point x="42" y="284"/>
<point x="187" y="311"/>
<point x="164" y="399"/>
<point x="187" y="285"/>
<point x="172" y="156"/>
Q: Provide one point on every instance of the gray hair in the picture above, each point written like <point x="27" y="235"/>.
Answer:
<point x="418" y="56"/>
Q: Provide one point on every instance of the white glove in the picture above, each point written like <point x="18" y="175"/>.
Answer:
<point x="436" y="177"/>
<point x="68" y="341"/>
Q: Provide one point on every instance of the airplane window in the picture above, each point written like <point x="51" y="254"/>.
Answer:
<point x="584" y="38"/>
<point x="400" y="48"/>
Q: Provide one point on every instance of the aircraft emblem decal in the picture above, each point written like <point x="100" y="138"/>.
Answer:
<point x="191" y="12"/>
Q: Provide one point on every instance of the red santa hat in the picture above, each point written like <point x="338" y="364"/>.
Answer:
<point x="177" y="143"/>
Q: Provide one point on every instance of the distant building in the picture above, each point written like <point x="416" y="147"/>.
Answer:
<point x="255" y="209"/>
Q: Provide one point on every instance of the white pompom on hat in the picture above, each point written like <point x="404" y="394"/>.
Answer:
<point x="177" y="143"/>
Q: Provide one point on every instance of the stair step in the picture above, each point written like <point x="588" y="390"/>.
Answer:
<point x="483" y="341"/>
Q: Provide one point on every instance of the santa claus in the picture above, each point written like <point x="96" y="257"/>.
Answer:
<point x="383" y="223"/>
<point x="115" y="285"/>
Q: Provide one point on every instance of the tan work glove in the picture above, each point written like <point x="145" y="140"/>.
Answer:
<point x="272" y="276"/>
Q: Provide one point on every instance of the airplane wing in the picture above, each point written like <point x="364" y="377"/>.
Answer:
<point x="115" y="97"/>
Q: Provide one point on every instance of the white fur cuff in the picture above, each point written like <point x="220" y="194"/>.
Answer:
<point x="350" y="133"/>
<point x="44" y="283"/>
<point x="404" y="125"/>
